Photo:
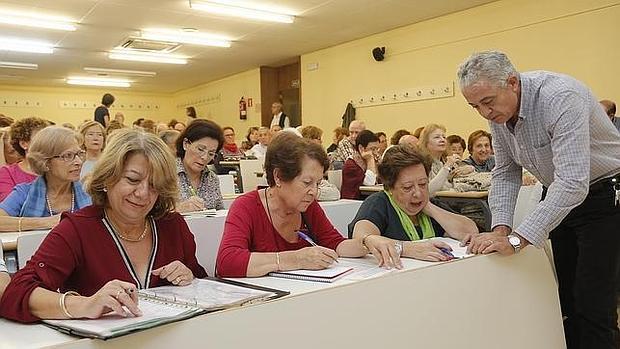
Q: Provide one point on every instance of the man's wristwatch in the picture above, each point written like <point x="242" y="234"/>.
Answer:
<point x="515" y="242"/>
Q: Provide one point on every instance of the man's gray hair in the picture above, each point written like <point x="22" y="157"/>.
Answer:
<point x="493" y="66"/>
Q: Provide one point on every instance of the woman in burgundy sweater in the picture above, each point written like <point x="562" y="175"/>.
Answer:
<point x="261" y="230"/>
<point x="361" y="167"/>
<point x="99" y="256"/>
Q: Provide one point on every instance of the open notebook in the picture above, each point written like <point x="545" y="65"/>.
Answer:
<point x="326" y="275"/>
<point x="201" y="213"/>
<point x="162" y="305"/>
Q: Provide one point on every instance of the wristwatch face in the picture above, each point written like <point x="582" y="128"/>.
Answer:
<point x="514" y="241"/>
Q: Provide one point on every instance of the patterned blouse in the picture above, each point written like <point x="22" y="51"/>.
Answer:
<point x="208" y="189"/>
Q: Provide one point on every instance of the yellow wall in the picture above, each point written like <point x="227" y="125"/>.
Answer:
<point x="219" y="101"/>
<point x="51" y="104"/>
<point x="580" y="38"/>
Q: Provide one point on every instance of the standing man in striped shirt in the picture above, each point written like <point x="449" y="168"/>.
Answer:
<point x="553" y="126"/>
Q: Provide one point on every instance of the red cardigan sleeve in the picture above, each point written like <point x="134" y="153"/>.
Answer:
<point x="233" y="256"/>
<point x="352" y="179"/>
<point x="47" y="269"/>
<point x="321" y="228"/>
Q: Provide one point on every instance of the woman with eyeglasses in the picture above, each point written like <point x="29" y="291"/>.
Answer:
<point x="196" y="146"/>
<point x="56" y="157"/>
<point x="399" y="221"/>
<point x="262" y="226"/>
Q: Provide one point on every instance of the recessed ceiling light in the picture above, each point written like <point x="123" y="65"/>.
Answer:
<point x="130" y="55"/>
<point x="87" y="81"/>
<point x="19" y="45"/>
<point x="19" y="65"/>
<point x="120" y="72"/>
<point x="184" y="37"/>
<point x="36" y="20"/>
<point x="245" y="11"/>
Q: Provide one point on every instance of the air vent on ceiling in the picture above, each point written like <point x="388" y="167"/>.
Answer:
<point x="149" y="45"/>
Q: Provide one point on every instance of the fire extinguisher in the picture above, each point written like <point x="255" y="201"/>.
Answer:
<point x="243" y="109"/>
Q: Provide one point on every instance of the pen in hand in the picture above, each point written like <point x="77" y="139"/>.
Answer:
<point x="446" y="252"/>
<point x="303" y="236"/>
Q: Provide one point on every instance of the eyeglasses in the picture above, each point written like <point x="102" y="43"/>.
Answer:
<point x="201" y="150"/>
<point x="70" y="156"/>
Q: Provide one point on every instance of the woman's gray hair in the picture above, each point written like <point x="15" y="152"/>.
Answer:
<point x="493" y="66"/>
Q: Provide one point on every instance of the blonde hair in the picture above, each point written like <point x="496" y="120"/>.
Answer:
<point x="109" y="168"/>
<point x="85" y="126"/>
<point x="425" y="136"/>
<point x="47" y="143"/>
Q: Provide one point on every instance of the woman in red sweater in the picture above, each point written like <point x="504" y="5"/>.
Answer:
<point x="100" y="255"/>
<point x="361" y="167"/>
<point x="261" y="230"/>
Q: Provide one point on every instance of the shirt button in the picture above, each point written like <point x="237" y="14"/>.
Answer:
<point x="41" y="264"/>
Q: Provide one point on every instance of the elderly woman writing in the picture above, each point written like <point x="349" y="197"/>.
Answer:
<point x="55" y="155"/>
<point x="261" y="230"/>
<point x="391" y="223"/>
<point x="196" y="146"/>
<point x="129" y="239"/>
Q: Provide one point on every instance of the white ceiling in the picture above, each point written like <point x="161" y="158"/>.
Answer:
<point x="104" y="24"/>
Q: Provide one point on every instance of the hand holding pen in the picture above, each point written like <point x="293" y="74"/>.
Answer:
<point x="315" y="257"/>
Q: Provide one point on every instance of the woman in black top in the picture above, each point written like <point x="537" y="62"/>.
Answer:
<point x="391" y="222"/>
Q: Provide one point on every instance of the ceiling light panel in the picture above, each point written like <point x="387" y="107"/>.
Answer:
<point x="36" y="20"/>
<point x="19" y="65"/>
<point x="120" y="72"/>
<point x="19" y="45"/>
<point x="138" y="56"/>
<point x="185" y="37"/>
<point x="87" y="81"/>
<point x="246" y="11"/>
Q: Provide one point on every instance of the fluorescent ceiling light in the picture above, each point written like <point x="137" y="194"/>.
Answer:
<point x="130" y="55"/>
<point x="87" y="81"/>
<point x="183" y="37"/>
<point x="36" y="20"/>
<point x="246" y="11"/>
<point x="18" y="45"/>
<point x="120" y="72"/>
<point x="18" y="65"/>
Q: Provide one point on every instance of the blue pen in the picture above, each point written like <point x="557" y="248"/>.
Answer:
<point x="446" y="252"/>
<point x="303" y="236"/>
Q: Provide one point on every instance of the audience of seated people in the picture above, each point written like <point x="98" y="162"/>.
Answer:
<point x="54" y="154"/>
<point x="361" y="166"/>
<point x="21" y="134"/>
<point x="199" y="187"/>
<point x="93" y="141"/>
<point x="391" y="222"/>
<point x="94" y="261"/>
<point x="260" y="233"/>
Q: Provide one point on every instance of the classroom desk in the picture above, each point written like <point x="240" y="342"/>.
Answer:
<point x="471" y="303"/>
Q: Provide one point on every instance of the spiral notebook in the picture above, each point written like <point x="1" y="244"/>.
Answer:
<point x="162" y="305"/>
<point x="325" y="275"/>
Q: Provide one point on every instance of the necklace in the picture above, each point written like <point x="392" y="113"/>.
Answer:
<point x="125" y="237"/>
<point x="49" y="205"/>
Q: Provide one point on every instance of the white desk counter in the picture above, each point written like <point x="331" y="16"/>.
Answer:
<point x="477" y="302"/>
<point x="18" y="336"/>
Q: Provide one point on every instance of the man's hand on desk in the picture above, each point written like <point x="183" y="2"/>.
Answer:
<point x="495" y="241"/>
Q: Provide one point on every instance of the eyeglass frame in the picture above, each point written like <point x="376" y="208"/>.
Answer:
<point x="65" y="157"/>
<point x="201" y="153"/>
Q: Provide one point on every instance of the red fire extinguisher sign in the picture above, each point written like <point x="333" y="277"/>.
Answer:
<point x="243" y="109"/>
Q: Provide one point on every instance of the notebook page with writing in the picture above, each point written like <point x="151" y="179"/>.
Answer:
<point x="457" y="250"/>
<point x="208" y="294"/>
